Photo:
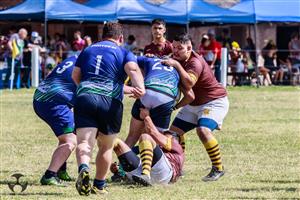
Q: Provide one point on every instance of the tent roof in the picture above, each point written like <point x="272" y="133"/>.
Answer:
<point x="173" y="11"/>
<point x="27" y="10"/>
<point x="207" y="12"/>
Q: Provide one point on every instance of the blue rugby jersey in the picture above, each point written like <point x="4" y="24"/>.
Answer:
<point x="102" y="69"/>
<point x="159" y="77"/>
<point x="58" y="86"/>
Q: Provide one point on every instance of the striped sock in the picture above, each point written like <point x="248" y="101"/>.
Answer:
<point x="146" y="150"/>
<point x="213" y="150"/>
<point x="182" y="142"/>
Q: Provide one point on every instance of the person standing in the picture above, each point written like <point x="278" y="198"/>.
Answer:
<point x="159" y="46"/>
<point x="100" y="72"/>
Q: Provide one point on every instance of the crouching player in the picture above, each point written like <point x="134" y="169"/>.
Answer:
<point x="162" y="157"/>
<point x="52" y="102"/>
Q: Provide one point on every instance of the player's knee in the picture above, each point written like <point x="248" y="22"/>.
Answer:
<point x="203" y="132"/>
<point x="145" y="136"/>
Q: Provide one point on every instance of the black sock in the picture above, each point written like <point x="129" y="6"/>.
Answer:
<point x="63" y="167"/>
<point x="50" y="174"/>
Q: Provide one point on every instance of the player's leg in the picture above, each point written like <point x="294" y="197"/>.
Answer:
<point x="66" y="145"/>
<point x="151" y="158"/>
<point x="211" y="118"/>
<point x="136" y="125"/>
<point x="86" y="138"/>
<point x="86" y="130"/>
<point x="129" y="162"/>
<point x="60" y="119"/>
<point x="184" y="121"/>
<point x="109" y="119"/>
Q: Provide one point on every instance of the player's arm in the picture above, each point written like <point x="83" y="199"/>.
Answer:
<point x="76" y="75"/>
<point x="188" y="79"/>
<point x="150" y="129"/>
<point x="188" y="97"/>
<point x="136" y="77"/>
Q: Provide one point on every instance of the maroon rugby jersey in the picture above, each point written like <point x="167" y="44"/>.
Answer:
<point x="176" y="158"/>
<point x="207" y="87"/>
<point x="160" y="49"/>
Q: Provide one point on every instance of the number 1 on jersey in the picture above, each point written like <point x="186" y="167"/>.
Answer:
<point x="99" y="59"/>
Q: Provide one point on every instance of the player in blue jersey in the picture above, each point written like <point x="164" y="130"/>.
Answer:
<point x="52" y="102"/>
<point x="162" y="88"/>
<point x="100" y="72"/>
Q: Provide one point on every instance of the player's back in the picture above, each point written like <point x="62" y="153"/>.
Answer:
<point x="58" y="86"/>
<point x="159" y="77"/>
<point x="102" y="69"/>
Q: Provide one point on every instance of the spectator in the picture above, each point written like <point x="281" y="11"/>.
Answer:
<point x="78" y="44"/>
<point x="160" y="46"/>
<point x="18" y="40"/>
<point x="130" y="45"/>
<point x="294" y="48"/>
<point x="270" y="62"/>
<point x="87" y="41"/>
<point x="251" y="49"/>
<point x="60" y="48"/>
<point x="3" y="48"/>
<point x="264" y="71"/>
<point x="238" y="62"/>
<point x="214" y="50"/>
<point x="225" y="39"/>
<point x="204" y="44"/>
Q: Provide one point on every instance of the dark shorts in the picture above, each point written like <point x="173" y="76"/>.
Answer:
<point x="58" y="116"/>
<point x="160" y="115"/>
<point x="102" y="112"/>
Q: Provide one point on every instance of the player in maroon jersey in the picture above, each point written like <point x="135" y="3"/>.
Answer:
<point x="161" y="156"/>
<point x="160" y="46"/>
<point x="207" y="112"/>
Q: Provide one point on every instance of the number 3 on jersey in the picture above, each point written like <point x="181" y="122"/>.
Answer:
<point x="60" y="70"/>
<point x="158" y="66"/>
<point x="99" y="59"/>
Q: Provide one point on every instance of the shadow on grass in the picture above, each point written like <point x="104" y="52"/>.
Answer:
<point x="32" y="194"/>
<point x="6" y="182"/>
<point x="266" y="189"/>
<point x="260" y="198"/>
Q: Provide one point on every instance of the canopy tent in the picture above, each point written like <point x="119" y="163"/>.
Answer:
<point x="27" y="10"/>
<point x="172" y="11"/>
<point x="277" y="10"/>
<point x="42" y="10"/>
<point x="69" y="10"/>
<point x="107" y="6"/>
<point x="202" y="11"/>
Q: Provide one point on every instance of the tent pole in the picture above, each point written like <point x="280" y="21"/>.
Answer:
<point x="46" y="31"/>
<point x="258" y="82"/>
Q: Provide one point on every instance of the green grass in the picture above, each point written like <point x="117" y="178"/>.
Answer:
<point x="260" y="144"/>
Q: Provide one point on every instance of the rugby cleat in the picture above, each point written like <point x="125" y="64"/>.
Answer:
<point x="213" y="175"/>
<point x="83" y="184"/>
<point x="119" y="174"/>
<point x="63" y="175"/>
<point x="55" y="181"/>
<point x="143" y="180"/>
<point x="98" y="191"/>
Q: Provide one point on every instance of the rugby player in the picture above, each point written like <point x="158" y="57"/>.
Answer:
<point x="162" y="89"/>
<point x="161" y="159"/>
<point x="160" y="46"/>
<point x="100" y="72"/>
<point x="53" y="101"/>
<point x="207" y="112"/>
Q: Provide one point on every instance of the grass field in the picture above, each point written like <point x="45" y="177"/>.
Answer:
<point x="260" y="144"/>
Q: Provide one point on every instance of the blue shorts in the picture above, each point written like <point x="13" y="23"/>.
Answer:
<point x="160" y="115"/>
<point x="58" y="116"/>
<point x="98" y="111"/>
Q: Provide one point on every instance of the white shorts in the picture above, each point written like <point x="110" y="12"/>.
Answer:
<point x="161" y="172"/>
<point x="153" y="99"/>
<point x="215" y="110"/>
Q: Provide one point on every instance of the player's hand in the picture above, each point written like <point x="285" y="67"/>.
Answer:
<point x="144" y="113"/>
<point x="136" y="93"/>
<point x="170" y="62"/>
<point x="150" y="55"/>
